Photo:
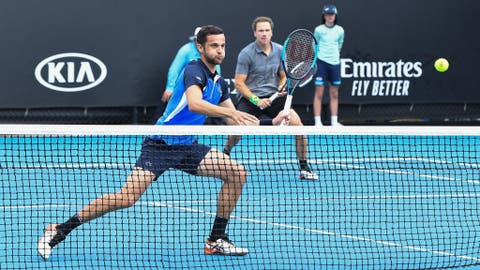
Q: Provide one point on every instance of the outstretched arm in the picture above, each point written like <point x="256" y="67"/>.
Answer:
<point x="228" y="112"/>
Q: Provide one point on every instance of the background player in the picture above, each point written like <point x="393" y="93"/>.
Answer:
<point x="259" y="75"/>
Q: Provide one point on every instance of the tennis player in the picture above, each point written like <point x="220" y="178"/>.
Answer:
<point x="200" y="93"/>
<point x="258" y="76"/>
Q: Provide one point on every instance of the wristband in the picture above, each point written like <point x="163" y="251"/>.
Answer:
<point x="266" y="122"/>
<point x="254" y="99"/>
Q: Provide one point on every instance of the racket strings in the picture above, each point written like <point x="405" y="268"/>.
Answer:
<point x="300" y="53"/>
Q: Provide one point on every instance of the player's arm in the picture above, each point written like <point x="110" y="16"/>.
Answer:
<point x="198" y="105"/>
<point x="340" y="40"/>
<point x="282" y="83"/>
<point x="244" y="90"/>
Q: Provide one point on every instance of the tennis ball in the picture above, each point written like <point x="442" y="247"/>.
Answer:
<point x="441" y="65"/>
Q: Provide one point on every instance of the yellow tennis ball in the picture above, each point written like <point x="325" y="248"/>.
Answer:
<point x="441" y="65"/>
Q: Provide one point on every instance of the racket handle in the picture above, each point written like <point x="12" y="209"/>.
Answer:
<point x="273" y="97"/>
<point x="286" y="108"/>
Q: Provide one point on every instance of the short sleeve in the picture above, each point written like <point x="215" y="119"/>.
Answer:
<point x="243" y="63"/>
<point x="194" y="76"/>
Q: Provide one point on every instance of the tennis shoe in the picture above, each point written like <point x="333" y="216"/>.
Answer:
<point x="223" y="246"/>
<point x="44" y="243"/>
<point x="337" y="124"/>
<point x="308" y="175"/>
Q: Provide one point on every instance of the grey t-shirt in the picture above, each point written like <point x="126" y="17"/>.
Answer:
<point x="262" y="71"/>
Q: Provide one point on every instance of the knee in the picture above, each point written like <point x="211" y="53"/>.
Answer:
<point x="295" y="120"/>
<point x="334" y="94"/>
<point x="237" y="175"/>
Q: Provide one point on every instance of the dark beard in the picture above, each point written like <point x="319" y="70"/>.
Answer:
<point x="212" y="61"/>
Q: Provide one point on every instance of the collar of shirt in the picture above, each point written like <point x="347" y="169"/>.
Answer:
<point x="259" y="50"/>
<point x="210" y="74"/>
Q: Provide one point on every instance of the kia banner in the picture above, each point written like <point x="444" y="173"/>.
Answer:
<point x="77" y="68"/>
<point x="117" y="53"/>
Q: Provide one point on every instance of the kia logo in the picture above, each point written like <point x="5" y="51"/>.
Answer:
<point x="70" y="72"/>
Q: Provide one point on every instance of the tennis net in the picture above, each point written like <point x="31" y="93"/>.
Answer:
<point x="386" y="198"/>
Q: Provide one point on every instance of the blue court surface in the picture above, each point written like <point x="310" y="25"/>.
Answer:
<point x="387" y="202"/>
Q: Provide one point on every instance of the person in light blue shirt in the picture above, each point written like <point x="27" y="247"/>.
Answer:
<point x="185" y="54"/>
<point x="330" y="38"/>
<point x="200" y="93"/>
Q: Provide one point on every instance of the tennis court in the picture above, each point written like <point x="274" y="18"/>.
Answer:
<point x="382" y="202"/>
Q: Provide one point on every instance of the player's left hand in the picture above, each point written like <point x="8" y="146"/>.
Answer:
<point x="280" y="117"/>
<point x="282" y="93"/>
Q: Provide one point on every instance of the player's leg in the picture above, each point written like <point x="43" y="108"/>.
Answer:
<point x="148" y="166"/>
<point x="301" y="147"/>
<point x="231" y="141"/>
<point x="320" y="77"/>
<point x="334" y="78"/>
<point x="134" y="187"/>
<point x="218" y="165"/>
<point x="245" y="106"/>
<point x="301" y="143"/>
<point x="333" y="92"/>
<point x="138" y="181"/>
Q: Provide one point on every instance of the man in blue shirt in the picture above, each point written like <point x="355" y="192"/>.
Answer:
<point x="200" y="93"/>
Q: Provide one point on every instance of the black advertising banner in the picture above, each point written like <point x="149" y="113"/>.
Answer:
<point x="110" y="53"/>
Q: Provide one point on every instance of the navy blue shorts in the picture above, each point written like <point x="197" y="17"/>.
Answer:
<point x="157" y="156"/>
<point x="327" y="72"/>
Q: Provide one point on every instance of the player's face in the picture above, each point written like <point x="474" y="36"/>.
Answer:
<point x="214" y="49"/>
<point x="330" y="18"/>
<point x="263" y="33"/>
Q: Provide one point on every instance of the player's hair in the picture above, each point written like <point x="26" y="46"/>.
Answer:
<point x="207" y="30"/>
<point x="261" y="19"/>
<point x="334" y="22"/>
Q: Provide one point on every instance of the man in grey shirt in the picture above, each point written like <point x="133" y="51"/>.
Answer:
<point x="259" y="75"/>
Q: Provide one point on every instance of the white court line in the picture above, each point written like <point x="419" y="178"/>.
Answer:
<point x="320" y="198"/>
<point x="337" y="163"/>
<point x="353" y="237"/>
<point x="282" y="225"/>
<point x="330" y="162"/>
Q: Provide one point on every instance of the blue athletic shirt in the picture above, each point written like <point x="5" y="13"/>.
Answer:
<point x="214" y="90"/>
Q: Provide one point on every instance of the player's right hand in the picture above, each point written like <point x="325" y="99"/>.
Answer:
<point x="264" y="103"/>
<point x="243" y="119"/>
<point x="282" y="118"/>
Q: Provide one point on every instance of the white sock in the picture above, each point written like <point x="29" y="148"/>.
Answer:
<point x="334" y="120"/>
<point x="318" y="121"/>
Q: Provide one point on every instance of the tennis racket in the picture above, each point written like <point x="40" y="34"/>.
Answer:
<point x="298" y="59"/>
<point x="301" y="84"/>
